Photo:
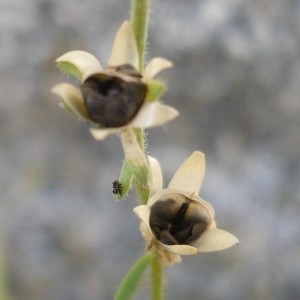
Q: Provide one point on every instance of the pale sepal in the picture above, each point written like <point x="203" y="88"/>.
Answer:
<point x="102" y="133"/>
<point x="189" y="176"/>
<point x="170" y="259"/>
<point x="215" y="239"/>
<point x="71" y="99"/>
<point x="69" y="69"/>
<point x="143" y="212"/>
<point x="124" y="49"/>
<point x="156" y="179"/>
<point x="78" y="64"/>
<point x="154" y="114"/>
<point x="180" y="249"/>
<point x="155" y="66"/>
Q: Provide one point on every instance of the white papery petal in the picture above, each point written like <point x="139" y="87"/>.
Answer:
<point x="155" y="66"/>
<point x="154" y="114"/>
<point x="213" y="224"/>
<point x="190" y="174"/>
<point x="102" y="133"/>
<point x="156" y="179"/>
<point x="215" y="239"/>
<point x="180" y="249"/>
<point x="170" y="259"/>
<point x="85" y="62"/>
<point x="124" y="50"/>
<point x="143" y="212"/>
<point x="71" y="99"/>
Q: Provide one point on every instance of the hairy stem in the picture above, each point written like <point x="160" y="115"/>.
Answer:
<point x="136" y="162"/>
<point x="130" y="282"/>
<point x="157" y="272"/>
<point x="139" y="21"/>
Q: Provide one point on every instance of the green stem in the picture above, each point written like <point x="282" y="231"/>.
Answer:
<point x="157" y="272"/>
<point x="136" y="162"/>
<point x="130" y="282"/>
<point x="139" y="21"/>
<point x="140" y="137"/>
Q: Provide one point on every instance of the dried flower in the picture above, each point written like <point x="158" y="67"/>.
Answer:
<point x="176" y="221"/>
<point x="118" y="96"/>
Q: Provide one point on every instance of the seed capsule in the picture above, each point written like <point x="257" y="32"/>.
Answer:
<point x="173" y="222"/>
<point x="111" y="101"/>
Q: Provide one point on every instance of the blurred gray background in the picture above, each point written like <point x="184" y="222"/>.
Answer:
<point x="236" y="83"/>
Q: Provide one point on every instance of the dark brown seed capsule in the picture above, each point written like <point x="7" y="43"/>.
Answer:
<point x="128" y="69"/>
<point x="173" y="223"/>
<point x="117" y="187"/>
<point x="166" y="238"/>
<point x="112" y="102"/>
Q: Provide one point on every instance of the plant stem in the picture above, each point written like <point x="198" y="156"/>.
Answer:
<point x="136" y="162"/>
<point x="131" y="281"/>
<point x="139" y="21"/>
<point x="157" y="273"/>
<point x="132" y="146"/>
<point x="140" y="136"/>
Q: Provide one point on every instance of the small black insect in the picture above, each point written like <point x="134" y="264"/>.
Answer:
<point x="117" y="187"/>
